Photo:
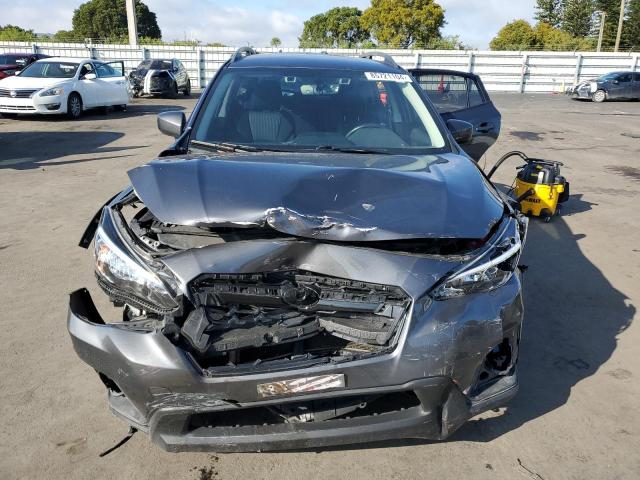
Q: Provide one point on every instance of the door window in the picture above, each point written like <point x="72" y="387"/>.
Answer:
<point x="86" y="68"/>
<point x="475" y="97"/>
<point x="625" y="77"/>
<point x="447" y="92"/>
<point x="105" y="71"/>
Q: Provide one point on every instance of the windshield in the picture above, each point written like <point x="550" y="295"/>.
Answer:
<point x="13" y="59"/>
<point x="303" y="109"/>
<point x="607" y="77"/>
<point x="155" y="65"/>
<point x="50" y="70"/>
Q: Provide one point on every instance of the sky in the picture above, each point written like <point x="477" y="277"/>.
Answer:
<point x="243" y="22"/>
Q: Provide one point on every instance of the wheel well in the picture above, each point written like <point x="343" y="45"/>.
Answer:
<point x="77" y="93"/>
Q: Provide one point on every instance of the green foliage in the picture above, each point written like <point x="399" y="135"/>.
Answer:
<point x="577" y="17"/>
<point x="403" y="23"/>
<point x="449" y="42"/>
<point x="612" y="9"/>
<point x="520" y="35"/>
<point x="631" y="27"/>
<point x="107" y="19"/>
<point x="66" y="36"/>
<point x="339" y="27"/>
<point x="549" y="12"/>
<point x="516" y="35"/>
<point x="275" y="42"/>
<point x="216" y="44"/>
<point x="16" y="34"/>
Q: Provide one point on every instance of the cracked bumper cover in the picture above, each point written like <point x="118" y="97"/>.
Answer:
<point x="438" y="357"/>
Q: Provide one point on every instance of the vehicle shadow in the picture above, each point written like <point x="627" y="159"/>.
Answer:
<point x="573" y="316"/>
<point x="29" y="149"/>
<point x="138" y="109"/>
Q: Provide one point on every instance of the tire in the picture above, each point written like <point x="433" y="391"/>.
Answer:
<point x="120" y="108"/>
<point x="174" y="91"/>
<point x="9" y="115"/>
<point x="74" y="106"/>
<point x="599" y="97"/>
<point x="187" y="89"/>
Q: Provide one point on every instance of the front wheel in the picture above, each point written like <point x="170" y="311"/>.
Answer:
<point x="599" y="96"/>
<point x="187" y="89"/>
<point x="74" y="106"/>
<point x="173" y="92"/>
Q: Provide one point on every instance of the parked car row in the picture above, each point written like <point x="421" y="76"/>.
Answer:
<point x="69" y="86"/>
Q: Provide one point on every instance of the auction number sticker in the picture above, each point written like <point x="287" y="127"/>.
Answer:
<point x="388" y="77"/>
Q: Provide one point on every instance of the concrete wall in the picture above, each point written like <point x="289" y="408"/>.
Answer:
<point x="526" y="72"/>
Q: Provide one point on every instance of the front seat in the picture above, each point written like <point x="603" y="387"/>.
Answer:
<point x="264" y="120"/>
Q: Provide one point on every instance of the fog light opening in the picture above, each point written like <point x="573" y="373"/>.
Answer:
<point x="499" y="358"/>
<point x="110" y="384"/>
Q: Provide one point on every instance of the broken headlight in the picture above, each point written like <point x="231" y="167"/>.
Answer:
<point x="493" y="271"/>
<point x="127" y="278"/>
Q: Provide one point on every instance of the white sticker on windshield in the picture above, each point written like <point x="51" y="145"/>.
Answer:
<point x="388" y="77"/>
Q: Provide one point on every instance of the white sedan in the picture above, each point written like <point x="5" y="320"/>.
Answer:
<point x="64" y="86"/>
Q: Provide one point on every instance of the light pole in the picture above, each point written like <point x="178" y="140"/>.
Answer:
<point x="132" y="23"/>
<point x="620" y="22"/>
<point x="603" y="15"/>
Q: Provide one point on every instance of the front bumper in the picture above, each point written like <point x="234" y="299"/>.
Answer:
<point x="158" y="388"/>
<point x="53" y="104"/>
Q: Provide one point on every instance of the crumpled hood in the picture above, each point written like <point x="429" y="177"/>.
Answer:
<point x="446" y="197"/>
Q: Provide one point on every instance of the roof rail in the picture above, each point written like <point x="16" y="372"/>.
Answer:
<point x="243" y="52"/>
<point x="387" y="59"/>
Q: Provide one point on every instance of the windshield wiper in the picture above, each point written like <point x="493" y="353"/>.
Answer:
<point x="225" y="146"/>
<point x="333" y="148"/>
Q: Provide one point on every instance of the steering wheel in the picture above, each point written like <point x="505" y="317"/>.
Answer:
<point x="363" y="126"/>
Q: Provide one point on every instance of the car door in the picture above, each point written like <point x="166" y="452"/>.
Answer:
<point x="620" y="87"/>
<point x="462" y="96"/>
<point x="113" y="82"/>
<point x="178" y="73"/>
<point x="87" y="84"/>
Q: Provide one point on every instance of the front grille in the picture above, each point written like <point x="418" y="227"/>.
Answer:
<point x="18" y="108"/>
<point x="18" y="93"/>
<point x="296" y="316"/>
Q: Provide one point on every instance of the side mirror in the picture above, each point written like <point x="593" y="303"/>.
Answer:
<point x="172" y="123"/>
<point x="89" y="76"/>
<point x="462" y="131"/>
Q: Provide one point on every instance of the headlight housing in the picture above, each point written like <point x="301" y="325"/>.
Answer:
<point x="491" y="271"/>
<point x="123" y="277"/>
<point x="52" y="91"/>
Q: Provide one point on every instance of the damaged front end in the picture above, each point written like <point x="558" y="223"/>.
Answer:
<point x="255" y="330"/>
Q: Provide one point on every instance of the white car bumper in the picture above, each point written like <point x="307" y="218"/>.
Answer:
<point x="46" y="105"/>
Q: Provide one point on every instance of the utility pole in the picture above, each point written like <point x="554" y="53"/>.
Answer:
<point x="603" y="15"/>
<point x="132" y="23"/>
<point x="620" y="22"/>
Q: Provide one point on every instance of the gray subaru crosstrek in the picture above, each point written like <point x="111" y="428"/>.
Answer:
<point x="315" y="261"/>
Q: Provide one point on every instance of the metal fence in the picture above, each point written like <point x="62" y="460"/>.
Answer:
<point x="524" y="72"/>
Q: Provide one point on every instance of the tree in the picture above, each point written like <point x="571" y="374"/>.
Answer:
<point x="520" y="35"/>
<point x="549" y="12"/>
<point x="339" y="27"/>
<point x="577" y="17"/>
<point x="612" y="9"/>
<point x="275" y="42"/>
<point x="516" y="35"/>
<point x="16" y="34"/>
<point x="67" y="36"/>
<point x="403" y="23"/>
<point x="631" y="27"/>
<point x="107" y="19"/>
